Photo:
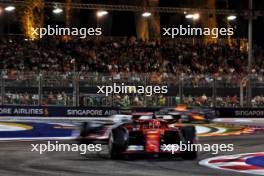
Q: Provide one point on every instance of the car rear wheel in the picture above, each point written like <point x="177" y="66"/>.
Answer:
<point x="189" y="134"/>
<point x="86" y="129"/>
<point x="118" y="142"/>
<point x="83" y="133"/>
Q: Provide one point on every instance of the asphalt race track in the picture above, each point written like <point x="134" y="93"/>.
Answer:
<point x="17" y="159"/>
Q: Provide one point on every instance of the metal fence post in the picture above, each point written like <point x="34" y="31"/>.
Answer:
<point x="249" y="89"/>
<point x="241" y="93"/>
<point x="40" y="94"/>
<point x="181" y="88"/>
<point x="250" y="40"/>
<point x="2" y="88"/>
<point x="214" y="91"/>
<point x="74" y="82"/>
<point x="75" y="96"/>
<point x="77" y="89"/>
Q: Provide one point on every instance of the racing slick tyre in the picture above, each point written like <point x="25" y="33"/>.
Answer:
<point x="189" y="134"/>
<point x="86" y="129"/>
<point x="83" y="129"/>
<point x="118" y="142"/>
<point x="84" y="132"/>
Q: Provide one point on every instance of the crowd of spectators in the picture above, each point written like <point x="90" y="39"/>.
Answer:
<point x="48" y="98"/>
<point x="170" y="62"/>
<point x="126" y="56"/>
<point x="124" y="101"/>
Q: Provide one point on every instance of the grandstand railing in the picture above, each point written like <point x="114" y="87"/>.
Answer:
<point x="80" y="89"/>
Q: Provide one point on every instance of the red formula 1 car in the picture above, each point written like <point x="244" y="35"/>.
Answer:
<point x="98" y="131"/>
<point x="149" y="136"/>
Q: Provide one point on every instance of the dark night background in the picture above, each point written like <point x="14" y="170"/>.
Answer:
<point x="119" y="23"/>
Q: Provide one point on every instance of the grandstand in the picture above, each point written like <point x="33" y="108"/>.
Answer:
<point x="65" y="70"/>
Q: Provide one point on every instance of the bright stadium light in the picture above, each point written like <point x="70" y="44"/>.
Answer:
<point x="189" y="16"/>
<point x="196" y="16"/>
<point x="146" y="14"/>
<point x="57" y="10"/>
<point x="101" y="13"/>
<point x="231" y="17"/>
<point x="10" y="8"/>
